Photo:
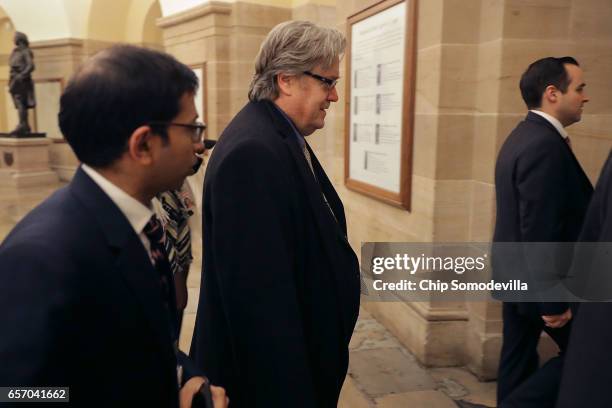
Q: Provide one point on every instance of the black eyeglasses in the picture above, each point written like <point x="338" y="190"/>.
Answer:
<point x="328" y="82"/>
<point x="197" y="129"/>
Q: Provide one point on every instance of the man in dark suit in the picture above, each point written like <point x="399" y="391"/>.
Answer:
<point x="280" y="283"/>
<point x="86" y="300"/>
<point x="586" y="372"/>
<point x="542" y="195"/>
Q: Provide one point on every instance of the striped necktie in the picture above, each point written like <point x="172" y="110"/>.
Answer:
<point x="178" y="244"/>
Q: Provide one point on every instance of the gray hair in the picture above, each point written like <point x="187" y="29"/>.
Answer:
<point x="291" y="48"/>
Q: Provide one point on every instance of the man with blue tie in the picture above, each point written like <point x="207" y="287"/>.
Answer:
<point x="87" y="300"/>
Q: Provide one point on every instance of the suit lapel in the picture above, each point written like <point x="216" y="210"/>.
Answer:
<point x="331" y="232"/>
<point x="140" y="276"/>
<point x="131" y="259"/>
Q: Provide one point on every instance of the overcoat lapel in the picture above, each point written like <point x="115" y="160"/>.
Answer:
<point x="330" y="192"/>
<point x="330" y="230"/>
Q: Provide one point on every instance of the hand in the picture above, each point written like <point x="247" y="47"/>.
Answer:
<point x="220" y="400"/>
<point x="192" y="386"/>
<point x="558" y="321"/>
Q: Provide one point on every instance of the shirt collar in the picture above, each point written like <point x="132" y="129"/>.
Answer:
<point x="553" y="121"/>
<point x="136" y="213"/>
<point x="298" y="135"/>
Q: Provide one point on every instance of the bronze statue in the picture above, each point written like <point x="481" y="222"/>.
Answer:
<point x="21" y="85"/>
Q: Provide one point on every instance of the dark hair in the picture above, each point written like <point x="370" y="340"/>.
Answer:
<point x="541" y="74"/>
<point x="116" y="91"/>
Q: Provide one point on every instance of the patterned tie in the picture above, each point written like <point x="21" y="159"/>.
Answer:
<point x="157" y="238"/>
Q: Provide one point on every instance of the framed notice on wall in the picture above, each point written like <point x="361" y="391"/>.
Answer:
<point x="380" y="66"/>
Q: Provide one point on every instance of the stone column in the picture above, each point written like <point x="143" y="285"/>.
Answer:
<point x="225" y="37"/>
<point x="57" y="60"/>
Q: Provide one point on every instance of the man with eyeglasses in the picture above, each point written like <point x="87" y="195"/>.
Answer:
<point x="280" y="287"/>
<point x="87" y="300"/>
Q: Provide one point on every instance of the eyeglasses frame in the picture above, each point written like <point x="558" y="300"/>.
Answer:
<point x="328" y="82"/>
<point x="198" y="126"/>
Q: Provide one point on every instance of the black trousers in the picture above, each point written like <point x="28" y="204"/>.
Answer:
<point x="520" y="382"/>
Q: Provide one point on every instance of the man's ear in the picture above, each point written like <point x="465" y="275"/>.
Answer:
<point x="140" y="145"/>
<point x="551" y="93"/>
<point x="285" y="83"/>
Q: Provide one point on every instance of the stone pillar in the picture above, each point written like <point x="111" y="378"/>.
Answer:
<point x="225" y="37"/>
<point x="57" y="60"/>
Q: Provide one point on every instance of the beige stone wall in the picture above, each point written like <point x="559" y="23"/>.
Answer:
<point x="470" y="55"/>
<point x="226" y="37"/>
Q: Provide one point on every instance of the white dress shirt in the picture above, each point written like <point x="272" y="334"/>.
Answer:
<point x="553" y="121"/>
<point x="137" y="214"/>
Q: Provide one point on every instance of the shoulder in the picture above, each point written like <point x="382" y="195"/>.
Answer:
<point x="534" y="138"/>
<point x="253" y="116"/>
<point x="251" y="135"/>
<point x="252" y="154"/>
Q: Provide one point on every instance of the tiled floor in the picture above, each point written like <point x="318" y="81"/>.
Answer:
<point x="382" y="373"/>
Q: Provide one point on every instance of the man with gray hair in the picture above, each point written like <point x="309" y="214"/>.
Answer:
<point x="280" y="283"/>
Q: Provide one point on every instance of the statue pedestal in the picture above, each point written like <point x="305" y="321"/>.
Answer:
<point x="24" y="161"/>
<point x="22" y="135"/>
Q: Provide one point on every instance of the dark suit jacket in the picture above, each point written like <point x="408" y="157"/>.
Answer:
<point x="542" y="193"/>
<point x="586" y="374"/>
<point x="280" y="283"/>
<point x="80" y="305"/>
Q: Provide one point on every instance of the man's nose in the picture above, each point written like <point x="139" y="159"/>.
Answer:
<point x="332" y="95"/>
<point x="199" y="147"/>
